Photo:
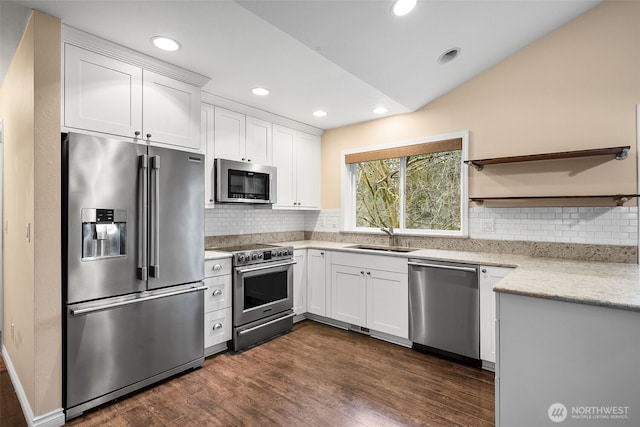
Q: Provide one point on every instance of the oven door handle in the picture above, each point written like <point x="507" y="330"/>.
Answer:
<point x="246" y="331"/>
<point x="264" y="267"/>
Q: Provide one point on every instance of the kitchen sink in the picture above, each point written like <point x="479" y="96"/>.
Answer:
<point x="382" y="248"/>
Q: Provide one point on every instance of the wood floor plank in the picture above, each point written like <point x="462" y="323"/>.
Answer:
<point x="317" y="376"/>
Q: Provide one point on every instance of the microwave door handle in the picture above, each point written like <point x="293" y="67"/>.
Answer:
<point x="154" y="270"/>
<point x="143" y="163"/>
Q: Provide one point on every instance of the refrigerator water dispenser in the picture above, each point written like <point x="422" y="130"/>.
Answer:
<point x="103" y="233"/>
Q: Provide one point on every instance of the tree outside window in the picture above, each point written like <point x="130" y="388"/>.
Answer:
<point x="421" y="191"/>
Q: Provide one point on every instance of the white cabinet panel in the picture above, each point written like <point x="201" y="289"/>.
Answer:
<point x="105" y="95"/>
<point x="489" y="277"/>
<point x="388" y="302"/>
<point x="217" y="267"/>
<point x="229" y="134"/>
<point x="283" y="160"/>
<point x="348" y="295"/>
<point x="218" y="293"/>
<point x="258" y="141"/>
<point x="300" y="281"/>
<point x="308" y="154"/>
<point x="206" y="138"/>
<point x="171" y="111"/>
<point x="297" y="157"/>
<point x="316" y="282"/>
<point x="101" y="94"/>
<point x="217" y="327"/>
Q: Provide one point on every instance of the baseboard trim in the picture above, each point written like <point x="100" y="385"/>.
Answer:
<point x="54" y="418"/>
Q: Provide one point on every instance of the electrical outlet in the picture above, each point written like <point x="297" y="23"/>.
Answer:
<point x="487" y="225"/>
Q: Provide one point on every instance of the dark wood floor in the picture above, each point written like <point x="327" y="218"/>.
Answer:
<point x="314" y="376"/>
<point x="10" y="411"/>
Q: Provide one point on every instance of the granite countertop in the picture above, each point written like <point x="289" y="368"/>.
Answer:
<point x="614" y="285"/>
<point x="210" y="255"/>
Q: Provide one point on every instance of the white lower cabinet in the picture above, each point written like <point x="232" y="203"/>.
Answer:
<point x="300" y="281"/>
<point x="375" y="298"/>
<point x="349" y="294"/>
<point x="217" y="305"/>
<point x="489" y="276"/>
<point x="317" y="281"/>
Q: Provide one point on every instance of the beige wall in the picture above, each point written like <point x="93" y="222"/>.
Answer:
<point x="576" y="88"/>
<point x="30" y="99"/>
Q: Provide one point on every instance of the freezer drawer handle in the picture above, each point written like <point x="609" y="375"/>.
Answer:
<point x="445" y="267"/>
<point x="246" y="331"/>
<point x="263" y="267"/>
<point x="82" y="311"/>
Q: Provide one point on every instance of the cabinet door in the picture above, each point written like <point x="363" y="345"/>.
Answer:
<point x="171" y="112"/>
<point x="258" y="141"/>
<point x="388" y="302"/>
<point x="206" y="138"/>
<point x="348" y="295"/>
<point x="229" y="134"/>
<point x="101" y="94"/>
<point x="316" y="282"/>
<point x="489" y="277"/>
<point x="300" y="281"/>
<point x="283" y="159"/>
<point x="308" y="162"/>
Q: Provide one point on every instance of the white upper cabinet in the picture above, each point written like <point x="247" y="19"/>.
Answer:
<point x="296" y="155"/>
<point x="170" y="111"/>
<point x="206" y="138"/>
<point x="105" y="95"/>
<point x="101" y="94"/>
<point x="229" y="134"/>
<point x="242" y="138"/>
<point x="258" y="147"/>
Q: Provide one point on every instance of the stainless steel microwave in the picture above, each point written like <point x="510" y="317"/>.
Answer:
<point x="244" y="182"/>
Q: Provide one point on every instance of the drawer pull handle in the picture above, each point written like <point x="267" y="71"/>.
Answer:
<point x="217" y="267"/>
<point x="217" y="326"/>
<point x="217" y="292"/>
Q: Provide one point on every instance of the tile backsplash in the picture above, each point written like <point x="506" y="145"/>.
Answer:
<point x="588" y="225"/>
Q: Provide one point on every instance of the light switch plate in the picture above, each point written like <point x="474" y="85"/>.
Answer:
<point x="487" y="225"/>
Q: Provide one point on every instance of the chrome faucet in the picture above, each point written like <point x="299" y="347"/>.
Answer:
<point x="392" y="236"/>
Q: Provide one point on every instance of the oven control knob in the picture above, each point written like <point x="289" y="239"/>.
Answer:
<point x="281" y="253"/>
<point x="260" y="255"/>
<point x="241" y="258"/>
<point x="254" y="257"/>
<point x="274" y="253"/>
<point x="289" y="252"/>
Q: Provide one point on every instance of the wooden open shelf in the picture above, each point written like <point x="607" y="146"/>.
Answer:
<point x="619" y="199"/>
<point x="620" y="153"/>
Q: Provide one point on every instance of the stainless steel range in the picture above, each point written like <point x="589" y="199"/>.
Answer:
<point x="262" y="292"/>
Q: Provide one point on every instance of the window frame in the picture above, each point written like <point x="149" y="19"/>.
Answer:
<point x="348" y="190"/>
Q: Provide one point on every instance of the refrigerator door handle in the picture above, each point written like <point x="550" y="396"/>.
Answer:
<point x="128" y="301"/>
<point x="154" y="268"/>
<point x="143" y="163"/>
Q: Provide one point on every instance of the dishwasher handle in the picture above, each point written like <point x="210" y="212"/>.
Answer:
<point x="445" y="267"/>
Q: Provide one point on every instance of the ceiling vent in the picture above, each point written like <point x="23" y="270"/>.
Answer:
<point x="449" y="55"/>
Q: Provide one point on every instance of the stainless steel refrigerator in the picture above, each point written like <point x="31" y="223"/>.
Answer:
<point x="133" y="265"/>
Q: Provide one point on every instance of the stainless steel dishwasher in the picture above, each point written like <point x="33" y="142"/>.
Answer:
<point x="444" y="309"/>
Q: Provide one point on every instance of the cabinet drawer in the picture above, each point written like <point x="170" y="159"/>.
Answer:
<point x="217" y="267"/>
<point x="217" y="327"/>
<point x="218" y="293"/>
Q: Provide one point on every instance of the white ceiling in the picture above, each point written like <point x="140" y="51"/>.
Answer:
<point x="343" y="56"/>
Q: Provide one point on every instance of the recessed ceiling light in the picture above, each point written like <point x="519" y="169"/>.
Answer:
<point x="260" y="91"/>
<point x="449" y="55"/>
<point x="402" y="7"/>
<point x="319" y="113"/>
<point x="380" y="110"/>
<point x="166" y="43"/>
